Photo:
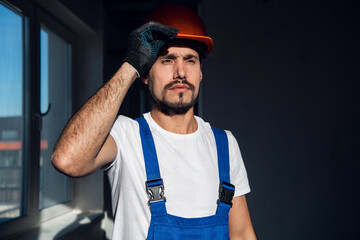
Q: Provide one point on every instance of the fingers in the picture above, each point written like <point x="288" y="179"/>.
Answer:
<point x="145" y="43"/>
<point x="154" y="35"/>
<point x="164" y="31"/>
<point x="159" y="30"/>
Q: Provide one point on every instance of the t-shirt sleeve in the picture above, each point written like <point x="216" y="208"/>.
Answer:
<point x="238" y="174"/>
<point x="119" y="133"/>
<point x="115" y="132"/>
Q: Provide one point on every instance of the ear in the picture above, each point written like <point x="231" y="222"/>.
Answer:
<point x="145" y="79"/>
<point x="201" y="75"/>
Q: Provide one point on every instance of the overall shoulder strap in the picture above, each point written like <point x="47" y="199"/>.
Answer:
<point x="148" y="145"/>
<point x="154" y="183"/>
<point x="222" y="147"/>
<point x="226" y="189"/>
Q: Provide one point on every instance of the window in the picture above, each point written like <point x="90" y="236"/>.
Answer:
<point x="11" y="114"/>
<point x="35" y="104"/>
<point x="55" y="63"/>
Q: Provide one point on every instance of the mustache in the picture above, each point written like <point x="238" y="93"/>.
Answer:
<point x="179" y="81"/>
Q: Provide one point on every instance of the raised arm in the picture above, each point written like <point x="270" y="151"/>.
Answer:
<point x="85" y="144"/>
<point x="77" y="151"/>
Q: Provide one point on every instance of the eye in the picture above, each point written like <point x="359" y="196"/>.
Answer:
<point x="166" y="61"/>
<point x="191" y="61"/>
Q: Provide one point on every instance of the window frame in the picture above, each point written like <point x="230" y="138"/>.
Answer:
<point x="33" y="17"/>
<point x="56" y="27"/>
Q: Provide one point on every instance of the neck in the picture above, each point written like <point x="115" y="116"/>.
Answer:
<point x="175" y="123"/>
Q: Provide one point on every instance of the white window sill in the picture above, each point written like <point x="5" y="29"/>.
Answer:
<point x="72" y="225"/>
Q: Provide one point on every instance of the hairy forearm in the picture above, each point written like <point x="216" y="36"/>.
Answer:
<point x="76" y="150"/>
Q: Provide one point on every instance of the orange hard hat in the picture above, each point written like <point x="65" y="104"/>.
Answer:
<point x="185" y="19"/>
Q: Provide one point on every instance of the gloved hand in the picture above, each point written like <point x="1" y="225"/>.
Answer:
<point x="145" y="43"/>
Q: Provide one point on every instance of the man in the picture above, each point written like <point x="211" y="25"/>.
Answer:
<point x="177" y="155"/>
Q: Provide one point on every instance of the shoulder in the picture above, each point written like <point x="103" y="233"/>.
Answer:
<point x="123" y="126"/>
<point x="208" y="127"/>
<point x="203" y="125"/>
<point x="123" y="120"/>
<point x="231" y="138"/>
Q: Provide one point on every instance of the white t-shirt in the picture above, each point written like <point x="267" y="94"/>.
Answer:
<point x="188" y="166"/>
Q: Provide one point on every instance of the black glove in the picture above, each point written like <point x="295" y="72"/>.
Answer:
<point x="145" y="43"/>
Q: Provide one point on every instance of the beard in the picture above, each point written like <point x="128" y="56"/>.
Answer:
<point x="173" y="108"/>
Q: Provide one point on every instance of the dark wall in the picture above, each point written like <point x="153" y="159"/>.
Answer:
<point x="284" y="78"/>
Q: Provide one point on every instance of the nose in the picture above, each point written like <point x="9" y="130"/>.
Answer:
<point x="179" y="71"/>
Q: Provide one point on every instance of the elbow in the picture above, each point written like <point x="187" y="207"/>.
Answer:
<point x="64" y="164"/>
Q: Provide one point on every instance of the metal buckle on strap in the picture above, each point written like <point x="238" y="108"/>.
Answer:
<point x="226" y="193"/>
<point x="155" y="189"/>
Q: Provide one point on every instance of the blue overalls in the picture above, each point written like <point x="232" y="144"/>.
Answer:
<point x="164" y="226"/>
